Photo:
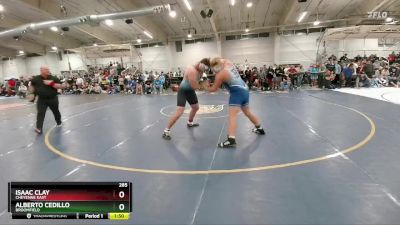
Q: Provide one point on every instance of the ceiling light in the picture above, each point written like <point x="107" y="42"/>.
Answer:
<point x="316" y="23"/>
<point x="54" y="48"/>
<point x="389" y="19"/>
<point x="188" y="5"/>
<point x="21" y="52"/>
<point x="55" y="29"/>
<point x="139" y="40"/>
<point x="148" y="34"/>
<point x="109" y="22"/>
<point x="249" y="4"/>
<point x="1" y="8"/>
<point x="172" y="13"/>
<point x="94" y="44"/>
<point x="247" y="30"/>
<point x="189" y="35"/>
<point x="232" y="2"/>
<point x="302" y="15"/>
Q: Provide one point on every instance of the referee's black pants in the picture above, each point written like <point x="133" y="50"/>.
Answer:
<point x="42" y="105"/>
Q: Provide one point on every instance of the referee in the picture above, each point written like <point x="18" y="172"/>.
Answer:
<point x="45" y="86"/>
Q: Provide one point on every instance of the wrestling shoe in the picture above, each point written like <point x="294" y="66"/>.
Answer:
<point x="191" y="124"/>
<point x="167" y="134"/>
<point x="38" y="131"/>
<point x="229" y="143"/>
<point x="258" y="130"/>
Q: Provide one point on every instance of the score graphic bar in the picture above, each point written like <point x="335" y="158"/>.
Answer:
<point x="70" y="200"/>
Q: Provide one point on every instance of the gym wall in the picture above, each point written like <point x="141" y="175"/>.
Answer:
<point x="259" y="51"/>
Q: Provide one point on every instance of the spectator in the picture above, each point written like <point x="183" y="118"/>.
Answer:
<point x="158" y="85"/>
<point x="10" y="87"/>
<point x="293" y="75"/>
<point x="262" y="77"/>
<point x="79" y="82"/>
<point x="344" y="58"/>
<point x="162" y="80"/>
<point x="131" y="86"/>
<point x="270" y="77"/>
<point x="392" y="58"/>
<point x="314" y="71"/>
<point x="279" y="72"/>
<point x="329" y="77"/>
<point x="338" y="70"/>
<point x="321" y="75"/>
<point x="363" y="81"/>
<point x="286" y="83"/>
<point x="369" y="69"/>
<point x="348" y="74"/>
<point x="121" y="84"/>
<point x="247" y="75"/>
<point x="148" y="86"/>
<point x="139" y="88"/>
<point x="382" y="77"/>
<point x="394" y="72"/>
<point x="22" y="89"/>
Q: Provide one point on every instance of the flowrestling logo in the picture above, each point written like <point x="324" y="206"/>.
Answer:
<point x="207" y="109"/>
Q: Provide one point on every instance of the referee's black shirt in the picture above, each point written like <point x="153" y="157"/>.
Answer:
<point x="42" y="90"/>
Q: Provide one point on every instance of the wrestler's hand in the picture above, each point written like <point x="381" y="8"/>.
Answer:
<point x="31" y="97"/>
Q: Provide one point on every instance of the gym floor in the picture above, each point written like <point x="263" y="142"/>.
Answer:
<point x="327" y="158"/>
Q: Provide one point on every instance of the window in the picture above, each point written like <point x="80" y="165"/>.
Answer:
<point x="246" y="36"/>
<point x="189" y="42"/>
<point x="192" y="41"/>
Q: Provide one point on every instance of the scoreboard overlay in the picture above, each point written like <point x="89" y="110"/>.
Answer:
<point x="70" y="200"/>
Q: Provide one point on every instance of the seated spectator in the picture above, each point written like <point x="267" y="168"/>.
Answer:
<point x="381" y="76"/>
<point x="89" y="89"/>
<point x="363" y="81"/>
<point x="286" y="84"/>
<point x="394" y="73"/>
<point x="121" y="83"/>
<point x="348" y="74"/>
<point x="10" y="87"/>
<point x="2" y="90"/>
<point x="130" y="87"/>
<point x="79" y="82"/>
<point x="369" y="69"/>
<point x="329" y="77"/>
<point x="96" y="89"/>
<point x="111" y="89"/>
<point x="148" y="86"/>
<point x="22" y="90"/>
<point x="75" y="90"/>
<point x="139" y="88"/>
<point x="84" y="89"/>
